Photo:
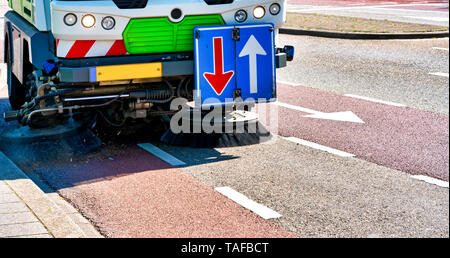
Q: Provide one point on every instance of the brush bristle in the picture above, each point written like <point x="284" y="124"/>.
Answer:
<point x="217" y="140"/>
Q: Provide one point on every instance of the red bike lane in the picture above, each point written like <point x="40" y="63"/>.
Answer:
<point x="127" y="192"/>
<point x="401" y="138"/>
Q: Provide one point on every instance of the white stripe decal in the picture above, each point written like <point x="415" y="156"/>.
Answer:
<point x="375" y="100"/>
<point x="64" y="47"/>
<point x="431" y="180"/>
<point x="100" y="48"/>
<point x="261" y="210"/>
<point x="161" y="154"/>
<point x="319" y="147"/>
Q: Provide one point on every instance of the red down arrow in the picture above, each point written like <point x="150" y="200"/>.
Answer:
<point x="218" y="80"/>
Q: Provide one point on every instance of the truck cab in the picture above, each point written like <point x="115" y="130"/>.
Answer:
<point x="69" y="57"/>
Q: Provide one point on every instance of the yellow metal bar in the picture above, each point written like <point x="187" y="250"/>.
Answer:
<point x="128" y="72"/>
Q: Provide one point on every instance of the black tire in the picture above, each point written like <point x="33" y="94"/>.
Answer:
<point x="16" y="91"/>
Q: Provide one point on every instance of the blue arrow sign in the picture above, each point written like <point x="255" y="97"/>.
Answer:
<point x="226" y="64"/>
<point x="256" y="63"/>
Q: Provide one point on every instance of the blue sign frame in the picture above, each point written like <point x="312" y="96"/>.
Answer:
<point x="225" y="65"/>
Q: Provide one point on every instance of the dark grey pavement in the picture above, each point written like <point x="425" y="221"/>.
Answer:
<point x="400" y="71"/>
<point x="322" y="195"/>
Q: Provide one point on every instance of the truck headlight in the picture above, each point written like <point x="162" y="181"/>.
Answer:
<point x="275" y="9"/>
<point x="240" y="16"/>
<point x="88" y="21"/>
<point x="70" y="19"/>
<point x="259" y="12"/>
<point x="108" y="23"/>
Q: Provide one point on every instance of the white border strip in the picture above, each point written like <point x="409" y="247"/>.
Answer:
<point x="161" y="154"/>
<point x="261" y="210"/>
<point x="319" y="147"/>
<point x="3" y="82"/>
<point x="440" y="74"/>
<point x="375" y="100"/>
<point x="431" y="180"/>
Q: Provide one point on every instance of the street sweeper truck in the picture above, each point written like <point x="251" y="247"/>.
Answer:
<point x="129" y="59"/>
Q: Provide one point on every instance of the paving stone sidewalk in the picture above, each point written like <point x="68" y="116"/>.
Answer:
<point x="26" y="211"/>
<point x="16" y="219"/>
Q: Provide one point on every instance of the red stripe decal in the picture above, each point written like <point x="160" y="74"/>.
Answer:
<point x="117" y="49"/>
<point x="56" y="46"/>
<point x="80" y="48"/>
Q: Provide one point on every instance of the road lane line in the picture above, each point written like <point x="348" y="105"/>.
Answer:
<point x="440" y="48"/>
<point x="375" y="100"/>
<point x="161" y="154"/>
<point x="431" y="180"/>
<point x="288" y="83"/>
<point x="261" y="210"/>
<point x="301" y="109"/>
<point x="437" y="19"/>
<point x="319" y="147"/>
<point x="440" y="74"/>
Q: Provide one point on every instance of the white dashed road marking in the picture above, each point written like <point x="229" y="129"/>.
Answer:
<point x="319" y="147"/>
<point x="441" y="48"/>
<point x="440" y="74"/>
<point x="161" y="154"/>
<point x="261" y="210"/>
<point x="431" y="180"/>
<point x="375" y="100"/>
<point x="288" y="83"/>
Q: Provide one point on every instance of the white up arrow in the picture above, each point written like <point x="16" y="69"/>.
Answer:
<point x="252" y="48"/>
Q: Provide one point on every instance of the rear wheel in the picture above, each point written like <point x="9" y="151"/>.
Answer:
<point x="16" y="91"/>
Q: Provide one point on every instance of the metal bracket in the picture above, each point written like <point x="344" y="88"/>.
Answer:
<point x="236" y="34"/>
<point x="237" y="94"/>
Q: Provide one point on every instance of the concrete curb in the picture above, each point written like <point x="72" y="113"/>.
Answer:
<point x="367" y="36"/>
<point x="48" y="212"/>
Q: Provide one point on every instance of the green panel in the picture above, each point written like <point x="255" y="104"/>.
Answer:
<point x="160" y="35"/>
<point x="28" y="10"/>
<point x="24" y="8"/>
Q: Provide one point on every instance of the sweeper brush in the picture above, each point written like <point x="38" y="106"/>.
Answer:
<point x="237" y="128"/>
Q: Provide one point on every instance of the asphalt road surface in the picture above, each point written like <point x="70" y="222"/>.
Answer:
<point x="425" y="12"/>
<point x="126" y="191"/>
